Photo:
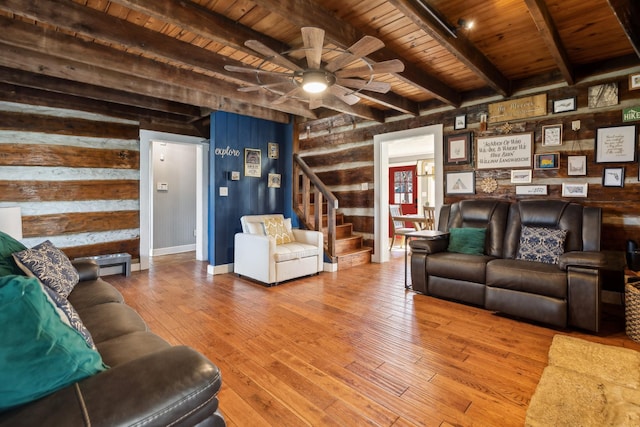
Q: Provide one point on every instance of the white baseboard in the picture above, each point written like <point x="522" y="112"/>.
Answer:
<point x="173" y="250"/>
<point x="219" y="269"/>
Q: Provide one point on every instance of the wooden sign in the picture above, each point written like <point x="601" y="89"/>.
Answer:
<point x="505" y="151"/>
<point x="631" y="114"/>
<point x="521" y="108"/>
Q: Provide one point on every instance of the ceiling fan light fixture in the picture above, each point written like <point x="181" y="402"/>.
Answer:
<point x="316" y="81"/>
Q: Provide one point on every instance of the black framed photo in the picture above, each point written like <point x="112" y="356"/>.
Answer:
<point x="613" y="177"/>
<point x="460" y="122"/>
<point x="457" y="149"/>
<point x="547" y="161"/>
<point x="564" y="105"/>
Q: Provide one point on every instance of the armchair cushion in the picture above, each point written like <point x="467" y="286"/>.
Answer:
<point x="294" y="250"/>
<point x="275" y="227"/>
<point x="541" y="244"/>
<point x="467" y="240"/>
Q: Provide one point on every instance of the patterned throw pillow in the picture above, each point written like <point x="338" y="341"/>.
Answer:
<point x="68" y="314"/>
<point x="50" y="265"/>
<point x="275" y="228"/>
<point x="541" y="244"/>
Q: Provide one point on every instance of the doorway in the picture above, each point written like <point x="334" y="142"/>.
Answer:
<point x="403" y="184"/>
<point x="383" y="145"/>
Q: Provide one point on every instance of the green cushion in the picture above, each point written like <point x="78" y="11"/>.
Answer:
<point x="39" y="353"/>
<point x="467" y="240"/>
<point x="9" y="245"/>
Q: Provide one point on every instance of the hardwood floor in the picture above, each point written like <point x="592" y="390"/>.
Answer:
<point x="348" y="348"/>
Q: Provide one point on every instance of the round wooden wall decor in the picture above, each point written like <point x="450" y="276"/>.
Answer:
<point x="489" y="185"/>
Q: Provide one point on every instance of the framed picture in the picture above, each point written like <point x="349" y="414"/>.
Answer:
<point x="613" y="177"/>
<point x="521" y="176"/>
<point x="552" y="135"/>
<point x="460" y="122"/>
<point x="634" y="81"/>
<point x="511" y="151"/>
<point x="273" y="149"/>
<point x="547" y="161"/>
<point x="531" y="190"/>
<point x="460" y="183"/>
<point x="564" y="105"/>
<point x="603" y="95"/>
<point x="458" y="149"/>
<point x="577" y="165"/>
<point x="274" y="180"/>
<point x="574" y="190"/>
<point x="252" y="162"/>
<point x="616" y="144"/>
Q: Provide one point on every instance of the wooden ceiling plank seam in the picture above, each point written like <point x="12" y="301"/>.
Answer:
<point x="344" y="35"/>
<point x="459" y="46"/>
<point x="544" y="22"/>
<point x="628" y="14"/>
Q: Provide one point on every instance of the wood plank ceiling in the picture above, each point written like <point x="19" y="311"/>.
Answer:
<point x="163" y="61"/>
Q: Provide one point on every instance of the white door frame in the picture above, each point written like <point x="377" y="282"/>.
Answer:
<point x="381" y="181"/>
<point x="146" y="191"/>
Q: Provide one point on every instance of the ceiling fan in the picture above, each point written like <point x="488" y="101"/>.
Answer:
<point x="343" y="75"/>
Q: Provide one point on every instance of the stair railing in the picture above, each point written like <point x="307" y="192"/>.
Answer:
<point x="302" y="202"/>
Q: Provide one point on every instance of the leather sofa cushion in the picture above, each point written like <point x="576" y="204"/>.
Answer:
<point x="125" y="348"/>
<point x="470" y="268"/>
<point x="294" y="250"/>
<point x="527" y="276"/>
<point x="110" y="320"/>
<point x="93" y="292"/>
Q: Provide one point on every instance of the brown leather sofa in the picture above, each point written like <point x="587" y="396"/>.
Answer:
<point x="564" y="294"/>
<point x="148" y="383"/>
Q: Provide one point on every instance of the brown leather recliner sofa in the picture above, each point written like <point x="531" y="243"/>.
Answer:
<point x="566" y="293"/>
<point x="148" y="383"/>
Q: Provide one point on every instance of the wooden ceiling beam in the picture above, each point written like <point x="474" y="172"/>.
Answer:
<point x="65" y="47"/>
<point x="549" y="33"/>
<point x="458" y="45"/>
<point x="206" y="24"/>
<point x="357" y="110"/>
<point x="628" y="14"/>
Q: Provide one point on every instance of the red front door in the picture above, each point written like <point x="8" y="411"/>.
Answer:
<point x="402" y="190"/>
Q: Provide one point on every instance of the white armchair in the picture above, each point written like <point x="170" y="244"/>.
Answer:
<point x="257" y="256"/>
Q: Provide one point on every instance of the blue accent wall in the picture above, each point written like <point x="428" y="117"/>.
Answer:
<point x="230" y="135"/>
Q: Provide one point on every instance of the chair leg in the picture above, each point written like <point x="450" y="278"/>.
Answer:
<point x="393" y="239"/>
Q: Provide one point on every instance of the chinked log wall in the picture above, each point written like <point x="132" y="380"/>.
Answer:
<point x="76" y="177"/>
<point x="341" y="153"/>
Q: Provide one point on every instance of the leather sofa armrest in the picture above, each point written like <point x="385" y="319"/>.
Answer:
<point x="88" y="269"/>
<point x="429" y="246"/>
<point x="176" y="385"/>
<point x="603" y="260"/>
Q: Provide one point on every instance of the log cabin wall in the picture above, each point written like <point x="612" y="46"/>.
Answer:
<point x="76" y="177"/>
<point x="341" y="152"/>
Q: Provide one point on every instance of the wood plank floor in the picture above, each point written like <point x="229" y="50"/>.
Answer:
<point x="348" y="348"/>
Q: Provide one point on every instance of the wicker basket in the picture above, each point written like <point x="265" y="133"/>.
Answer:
<point x="632" y="310"/>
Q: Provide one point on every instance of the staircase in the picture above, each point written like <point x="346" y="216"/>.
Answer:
<point x="317" y="207"/>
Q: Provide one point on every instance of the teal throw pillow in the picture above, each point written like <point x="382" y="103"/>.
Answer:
<point x="39" y="353"/>
<point x="467" y="240"/>
<point x="9" y="245"/>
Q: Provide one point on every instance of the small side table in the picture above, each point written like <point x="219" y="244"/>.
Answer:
<point x="123" y="259"/>
<point x="422" y="234"/>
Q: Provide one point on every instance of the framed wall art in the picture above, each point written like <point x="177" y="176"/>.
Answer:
<point x="616" y="144"/>
<point x="531" y="190"/>
<point x="634" y="81"/>
<point x="577" y="165"/>
<point x="547" y="161"/>
<point x="460" y="122"/>
<point x="252" y="162"/>
<point x="458" y="149"/>
<point x="505" y="151"/>
<point x="603" y="95"/>
<point x="274" y="180"/>
<point x="274" y="150"/>
<point x="552" y="135"/>
<point x="564" y="105"/>
<point x="521" y="176"/>
<point x="574" y="190"/>
<point x="613" y="177"/>
<point x="460" y="183"/>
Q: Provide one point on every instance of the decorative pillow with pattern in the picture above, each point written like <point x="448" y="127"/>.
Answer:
<point x="541" y="244"/>
<point x="276" y="228"/>
<point x="68" y="314"/>
<point x="50" y="265"/>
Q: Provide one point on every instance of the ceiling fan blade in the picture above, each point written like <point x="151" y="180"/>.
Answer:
<point x="362" y="47"/>
<point x="380" y="87"/>
<point x="272" y="55"/>
<point x="248" y="70"/>
<point x="314" y="102"/>
<point x="286" y="96"/>
<point x="265" y="86"/>
<point x="344" y="94"/>
<point x="392" y="66"/>
<point x="313" y="39"/>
